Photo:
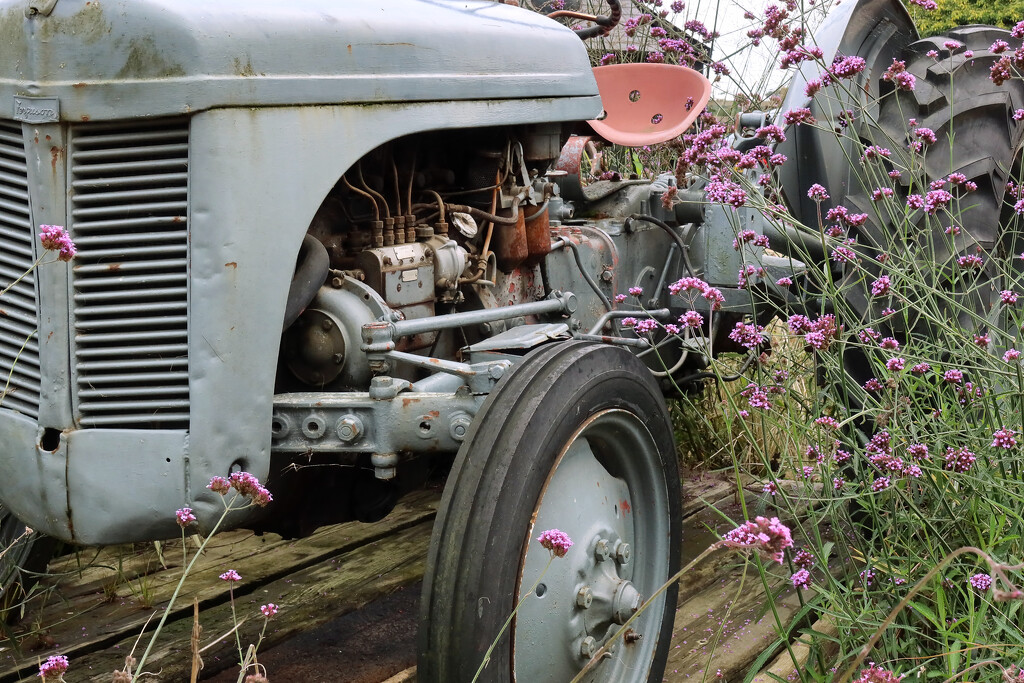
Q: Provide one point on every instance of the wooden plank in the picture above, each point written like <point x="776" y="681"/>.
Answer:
<point x="307" y="599"/>
<point x="86" y="621"/>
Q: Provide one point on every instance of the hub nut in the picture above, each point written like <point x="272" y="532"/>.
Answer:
<point x="584" y="597"/>
<point x="588" y="646"/>
<point x="622" y="552"/>
<point x="603" y="550"/>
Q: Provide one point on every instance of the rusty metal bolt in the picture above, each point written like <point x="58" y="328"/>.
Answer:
<point x="349" y="428"/>
<point x="607" y="276"/>
<point x="631" y="636"/>
<point x="588" y="646"/>
<point x="584" y="597"/>
<point x="603" y="550"/>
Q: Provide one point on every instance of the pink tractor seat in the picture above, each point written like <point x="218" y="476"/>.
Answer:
<point x="646" y="104"/>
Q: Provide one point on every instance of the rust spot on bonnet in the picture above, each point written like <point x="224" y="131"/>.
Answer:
<point x="231" y="264"/>
<point x="434" y="413"/>
<point x="624" y="505"/>
<point x="79" y="85"/>
<point x="55" y="153"/>
<point x="349" y="47"/>
<point x="84" y="117"/>
<point x="406" y="402"/>
<point x="114" y="267"/>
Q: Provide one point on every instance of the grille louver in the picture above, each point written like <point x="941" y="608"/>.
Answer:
<point x="19" y="348"/>
<point x="129" y="216"/>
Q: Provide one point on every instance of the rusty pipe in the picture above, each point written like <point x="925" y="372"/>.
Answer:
<point x="376" y="209"/>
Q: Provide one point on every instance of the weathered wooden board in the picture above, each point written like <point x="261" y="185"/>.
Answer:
<point x="92" y="612"/>
<point x="102" y="604"/>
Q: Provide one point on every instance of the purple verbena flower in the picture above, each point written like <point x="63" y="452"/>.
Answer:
<point x="748" y="335"/>
<point x="558" y="542"/>
<point x="959" y="459"/>
<point x="268" y="610"/>
<point x="184" y="517"/>
<point x="801" y="579"/>
<point x="1004" y="438"/>
<point x="53" y="668"/>
<point x="56" y="238"/>
<point x="231" y="576"/>
<point x="876" y="674"/>
<point x="770" y="537"/>
<point x="817" y="193"/>
<point x="219" y="485"/>
<point x="981" y="581"/>
<point x="691" y="319"/>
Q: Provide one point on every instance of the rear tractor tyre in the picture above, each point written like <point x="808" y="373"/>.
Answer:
<point x="576" y="438"/>
<point x="977" y="136"/>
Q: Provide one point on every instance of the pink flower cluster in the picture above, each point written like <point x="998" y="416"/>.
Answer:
<point x="268" y="610"/>
<point x="56" y="238"/>
<point x="558" y="542"/>
<point x="185" y="517"/>
<point x="959" y="459"/>
<point x="981" y="581"/>
<point x="231" y="576"/>
<point x="876" y="674"/>
<point x="712" y="294"/>
<point x="245" y="483"/>
<point x="53" y="668"/>
<point x="770" y="537"/>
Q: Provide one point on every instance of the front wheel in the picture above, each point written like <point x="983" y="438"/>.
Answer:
<point x="576" y="438"/>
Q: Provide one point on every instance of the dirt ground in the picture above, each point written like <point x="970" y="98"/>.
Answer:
<point x="367" y="646"/>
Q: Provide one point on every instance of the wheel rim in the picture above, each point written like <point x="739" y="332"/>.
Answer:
<point x="583" y="597"/>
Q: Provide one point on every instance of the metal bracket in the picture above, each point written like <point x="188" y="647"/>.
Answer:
<point x="385" y="422"/>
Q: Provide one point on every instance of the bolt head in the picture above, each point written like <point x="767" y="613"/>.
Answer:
<point x="326" y="324"/>
<point x="588" y="646"/>
<point x="622" y="553"/>
<point x="584" y="597"/>
<point x="606" y="276"/>
<point x="603" y="550"/>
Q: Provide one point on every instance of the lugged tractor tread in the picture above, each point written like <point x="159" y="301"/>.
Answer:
<point x="953" y="95"/>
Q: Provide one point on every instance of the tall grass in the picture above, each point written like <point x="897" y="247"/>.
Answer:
<point x="897" y="402"/>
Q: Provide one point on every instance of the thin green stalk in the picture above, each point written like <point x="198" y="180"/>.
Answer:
<point x="501" y="631"/>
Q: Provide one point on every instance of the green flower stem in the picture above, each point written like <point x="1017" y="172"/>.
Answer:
<point x="177" y="590"/>
<point x="501" y="631"/>
<point x="622" y="629"/>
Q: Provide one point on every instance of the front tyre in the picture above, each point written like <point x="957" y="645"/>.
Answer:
<point x="576" y="438"/>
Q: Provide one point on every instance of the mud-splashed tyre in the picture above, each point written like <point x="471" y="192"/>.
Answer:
<point x="977" y="136"/>
<point x="577" y="437"/>
<point x="25" y="556"/>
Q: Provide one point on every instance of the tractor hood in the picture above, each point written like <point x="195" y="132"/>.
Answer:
<point x="76" y="60"/>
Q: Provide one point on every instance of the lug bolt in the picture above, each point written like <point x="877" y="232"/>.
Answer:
<point x="602" y="550"/>
<point x="588" y="647"/>
<point x="631" y="636"/>
<point x="584" y="597"/>
<point x="622" y="553"/>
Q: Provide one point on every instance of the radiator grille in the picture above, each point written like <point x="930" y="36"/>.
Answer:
<point x="129" y="217"/>
<point x="19" y="348"/>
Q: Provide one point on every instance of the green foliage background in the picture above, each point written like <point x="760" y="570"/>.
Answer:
<point x="952" y="13"/>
